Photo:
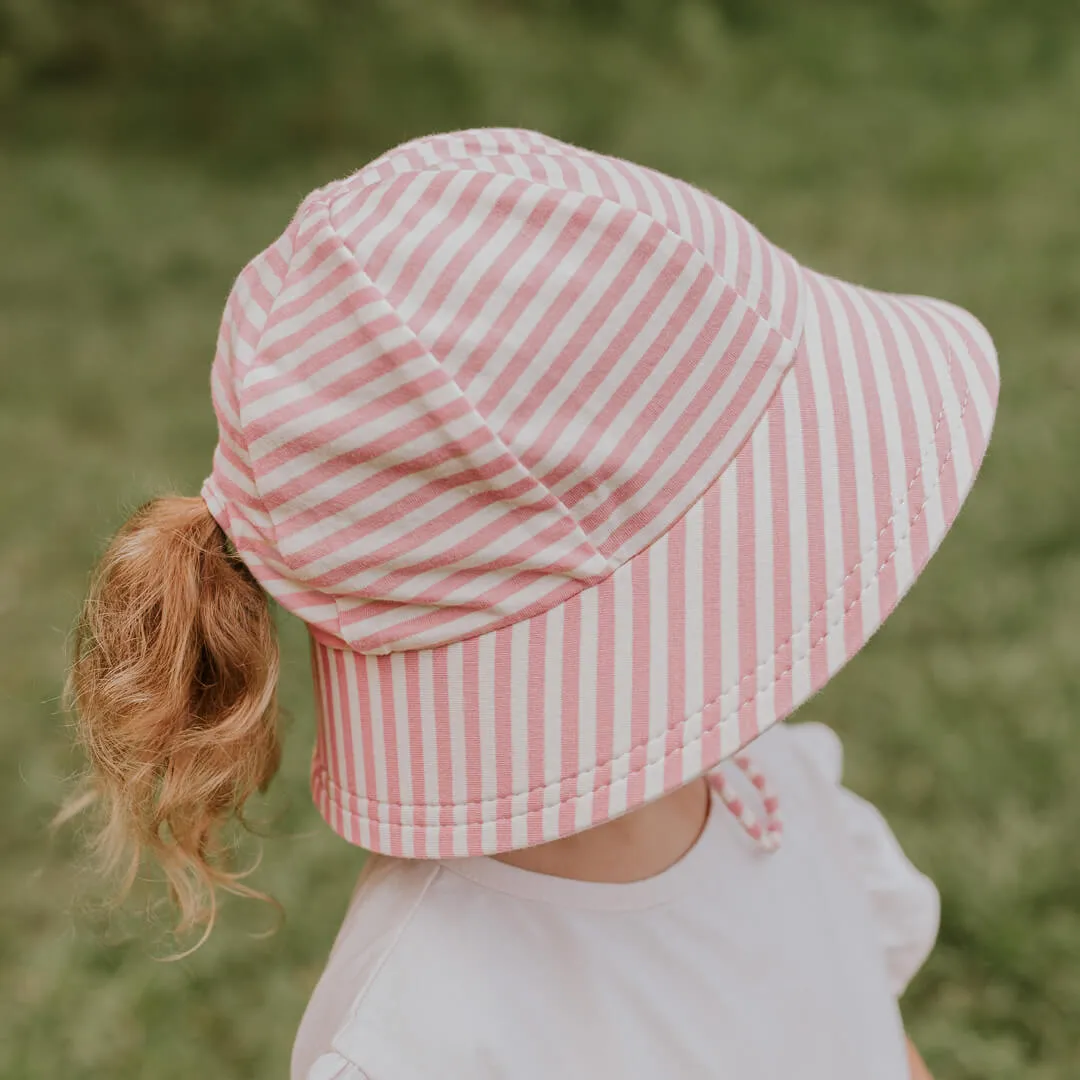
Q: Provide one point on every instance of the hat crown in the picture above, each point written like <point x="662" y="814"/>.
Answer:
<point x="483" y="372"/>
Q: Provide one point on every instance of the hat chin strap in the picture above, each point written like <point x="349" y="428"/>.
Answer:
<point x="768" y="836"/>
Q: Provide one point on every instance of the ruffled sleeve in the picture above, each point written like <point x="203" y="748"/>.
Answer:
<point x="905" y="903"/>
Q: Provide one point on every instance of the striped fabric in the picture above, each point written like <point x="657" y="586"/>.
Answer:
<point x="578" y="482"/>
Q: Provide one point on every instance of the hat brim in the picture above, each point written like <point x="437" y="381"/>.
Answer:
<point x="746" y="607"/>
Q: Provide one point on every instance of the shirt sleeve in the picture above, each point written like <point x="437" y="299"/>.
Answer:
<point x="905" y="903"/>
<point x="333" y="1066"/>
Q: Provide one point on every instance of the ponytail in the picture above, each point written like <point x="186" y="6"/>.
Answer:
<point x="173" y="683"/>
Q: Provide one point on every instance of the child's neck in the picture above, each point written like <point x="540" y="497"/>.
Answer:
<point x="636" y="845"/>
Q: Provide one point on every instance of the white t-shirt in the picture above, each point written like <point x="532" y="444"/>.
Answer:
<point x="732" y="963"/>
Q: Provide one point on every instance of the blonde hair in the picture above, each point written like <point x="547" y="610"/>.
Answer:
<point x="173" y="685"/>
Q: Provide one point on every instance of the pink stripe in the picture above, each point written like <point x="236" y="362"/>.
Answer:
<point x="474" y="750"/>
<point x="909" y="431"/>
<point x="327" y="724"/>
<point x="445" y="800"/>
<point x="845" y="461"/>
<point x="747" y="598"/>
<point x="783" y="622"/>
<point x="697" y="225"/>
<point x="503" y="747"/>
<point x="632" y="178"/>
<point x="676" y="651"/>
<point x="570" y="713"/>
<point x="950" y="501"/>
<point x="879" y="457"/>
<point x="349" y="723"/>
<point x="712" y="627"/>
<point x="791" y="292"/>
<point x="815" y="526"/>
<point x="605" y="698"/>
<point x="979" y="358"/>
<point x="391" y="764"/>
<point x="534" y="733"/>
<point x="414" y="720"/>
<point x="363" y="722"/>
<point x="640" y="573"/>
<point x="973" y="435"/>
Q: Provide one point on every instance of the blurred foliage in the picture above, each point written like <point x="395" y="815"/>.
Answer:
<point x="149" y="147"/>
<point x="244" y="79"/>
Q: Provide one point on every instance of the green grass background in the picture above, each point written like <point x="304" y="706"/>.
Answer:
<point x="147" y="150"/>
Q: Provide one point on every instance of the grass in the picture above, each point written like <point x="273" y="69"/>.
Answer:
<point x="921" y="156"/>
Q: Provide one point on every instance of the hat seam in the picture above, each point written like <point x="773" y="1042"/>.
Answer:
<point x="321" y="770"/>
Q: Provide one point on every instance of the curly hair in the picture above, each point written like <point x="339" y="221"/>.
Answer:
<point x="173" y="685"/>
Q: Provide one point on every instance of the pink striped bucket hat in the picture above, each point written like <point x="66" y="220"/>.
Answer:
<point x="578" y="482"/>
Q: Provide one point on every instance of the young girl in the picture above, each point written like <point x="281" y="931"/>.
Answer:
<point x="581" y="485"/>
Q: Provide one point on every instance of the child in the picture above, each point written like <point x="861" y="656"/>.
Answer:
<point x="580" y="485"/>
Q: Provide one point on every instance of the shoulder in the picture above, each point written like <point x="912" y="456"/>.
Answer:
<point x="410" y="980"/>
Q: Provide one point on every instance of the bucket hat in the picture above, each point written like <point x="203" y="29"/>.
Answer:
<point x="579" y="483"/>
